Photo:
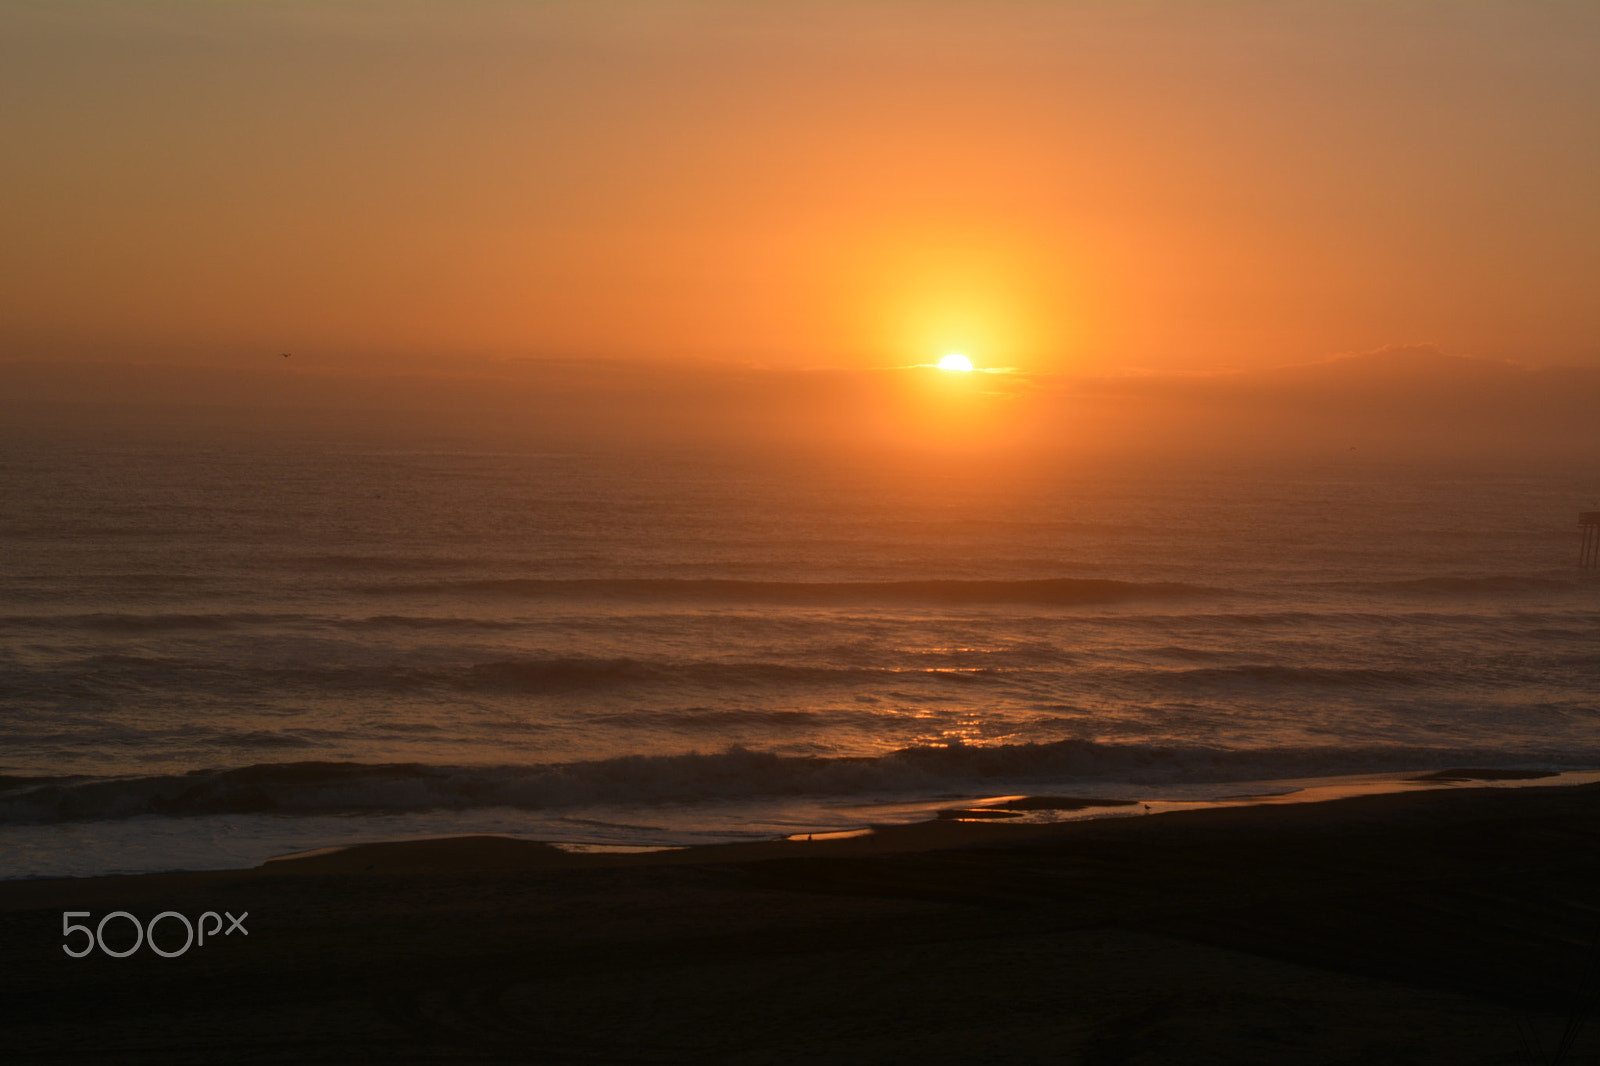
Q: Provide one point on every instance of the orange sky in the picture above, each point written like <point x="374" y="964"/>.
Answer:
<point x="1082" y="188"/>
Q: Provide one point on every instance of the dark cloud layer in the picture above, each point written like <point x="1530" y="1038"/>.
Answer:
<point x="1413" y="400"/>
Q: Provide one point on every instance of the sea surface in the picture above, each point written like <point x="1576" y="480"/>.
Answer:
<point x="214" y="649"/>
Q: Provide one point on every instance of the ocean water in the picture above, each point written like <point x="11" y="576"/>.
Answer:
<point x="216" y="649"/>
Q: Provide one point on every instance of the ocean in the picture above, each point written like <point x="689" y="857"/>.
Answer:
<point x="219" y="648"/>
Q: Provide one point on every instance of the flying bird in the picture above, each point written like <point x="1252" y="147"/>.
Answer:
<point x="286" y="355"/>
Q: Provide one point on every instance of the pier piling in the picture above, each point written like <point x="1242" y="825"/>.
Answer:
<point x="1589" y="550"/>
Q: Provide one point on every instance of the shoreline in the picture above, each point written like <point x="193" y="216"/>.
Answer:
<point x="914" y="824"/>
<point x="1436" y="925"/>
<point x="1027" y="820"/>
<point x="1334" y="809"/>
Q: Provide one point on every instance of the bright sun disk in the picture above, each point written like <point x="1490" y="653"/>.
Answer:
<point x="955" y="362"/>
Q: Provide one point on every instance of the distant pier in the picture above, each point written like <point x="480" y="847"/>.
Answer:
<point x="1589" y="551"/>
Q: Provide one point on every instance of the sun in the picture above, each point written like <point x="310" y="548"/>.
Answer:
<point x="955" y="362"/>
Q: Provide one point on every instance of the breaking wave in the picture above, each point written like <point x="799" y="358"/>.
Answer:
<point x="734" y="775"/>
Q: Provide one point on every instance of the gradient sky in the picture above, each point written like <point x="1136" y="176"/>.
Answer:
<point x="1078" y="187"/>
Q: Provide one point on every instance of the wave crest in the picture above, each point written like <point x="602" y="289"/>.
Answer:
<point x="734" y="775"/>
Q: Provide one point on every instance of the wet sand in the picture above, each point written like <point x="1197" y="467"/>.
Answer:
<point x="1450" y="926"/>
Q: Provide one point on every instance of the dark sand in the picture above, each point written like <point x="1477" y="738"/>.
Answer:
<point x="1452" y="926"/>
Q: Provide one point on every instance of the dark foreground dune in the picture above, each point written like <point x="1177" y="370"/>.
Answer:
<point x="1457" y="926"/>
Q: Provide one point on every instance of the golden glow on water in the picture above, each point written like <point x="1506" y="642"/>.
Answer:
<point x="838" y="834"/>
<point x="1264" y="793"/>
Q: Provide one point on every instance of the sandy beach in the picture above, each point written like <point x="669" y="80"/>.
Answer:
<point x="1448" y="926"/>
